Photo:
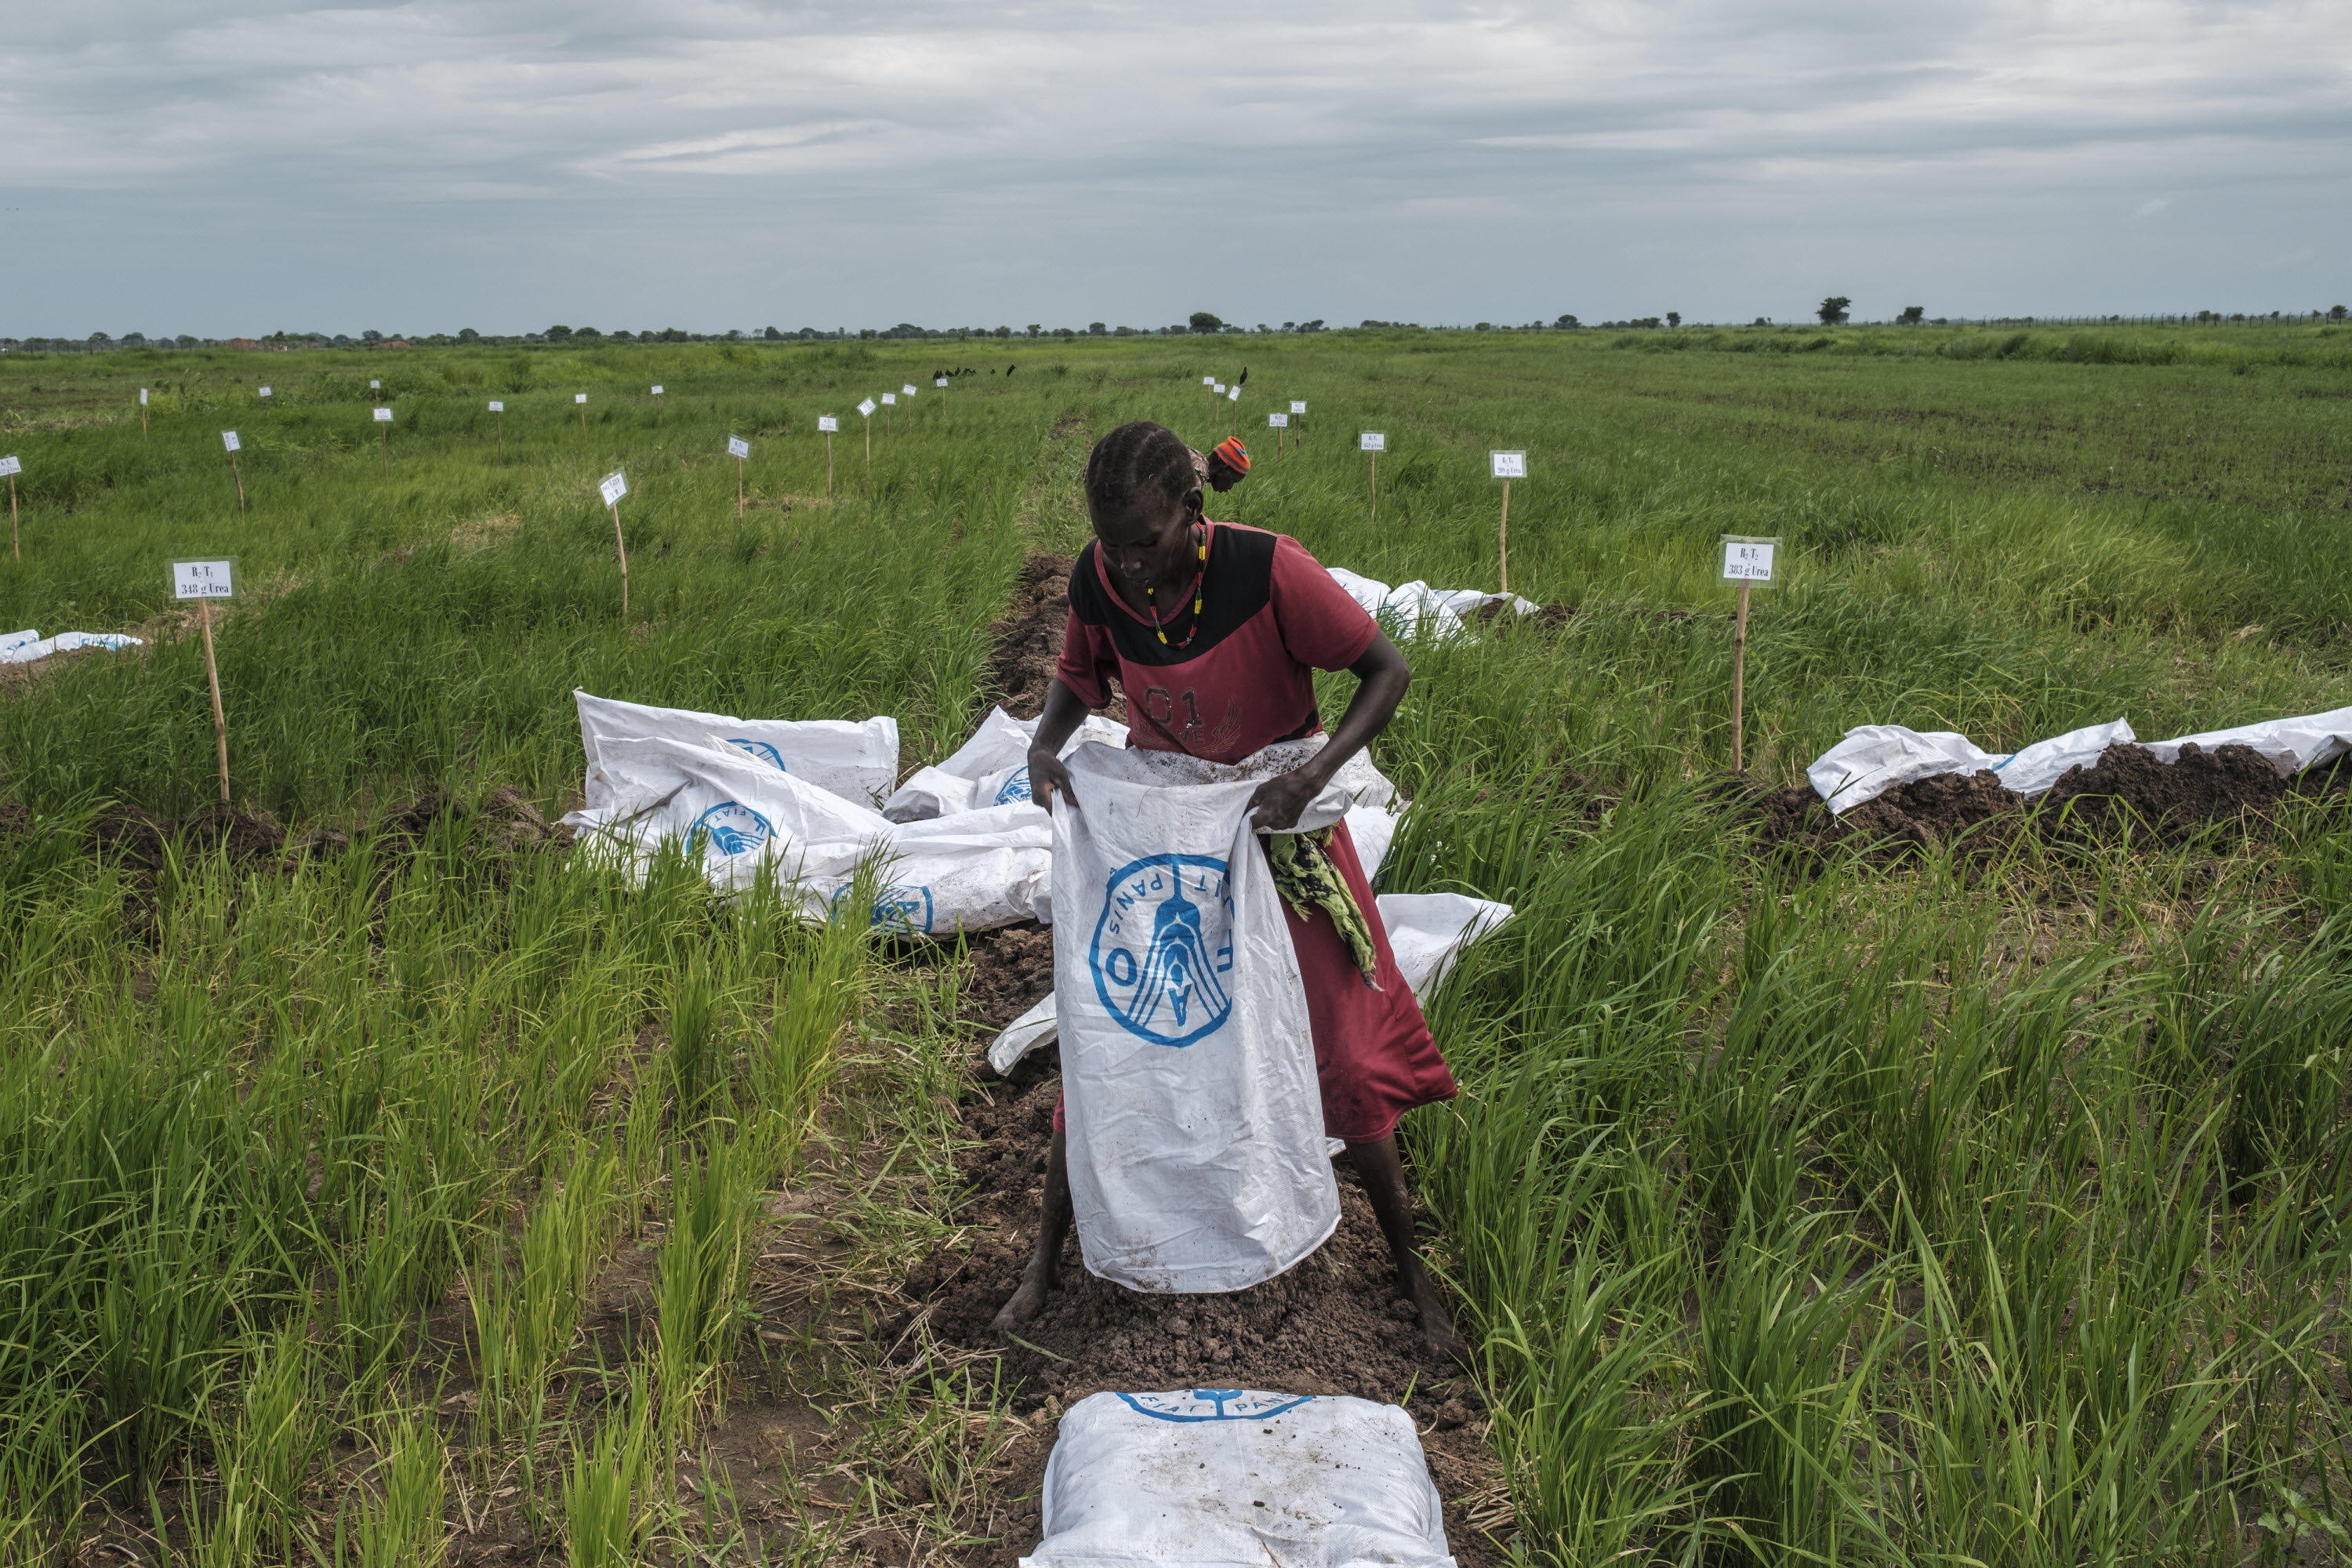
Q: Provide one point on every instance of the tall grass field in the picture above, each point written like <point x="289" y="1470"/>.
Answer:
<point x="404" y="1189"/>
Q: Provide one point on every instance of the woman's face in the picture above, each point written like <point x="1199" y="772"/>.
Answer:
<point x="1150" y="545"/>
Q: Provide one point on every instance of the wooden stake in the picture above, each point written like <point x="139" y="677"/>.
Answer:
<point x="384" y="445"/>
<point x="869" y="452"/>
<point x="621" y="548"/>
<point x="828" y="465"/>
<point x="583" y="419"/>
<point x="502" y="438"/>
<point x="1738" y="677"/>
<point x="738" y="490"/>
<point x="1375" y="516"/>
<point x="143" y="419"/>
<point x="212" y="674"/>
<point x="240" y="482"/>
<point x="1503" y="538"/>
<point x="15" y="548"/>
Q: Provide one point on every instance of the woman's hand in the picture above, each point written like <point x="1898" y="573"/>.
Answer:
<point x="1275" y="808"/>
<point x="1048" y="778"/>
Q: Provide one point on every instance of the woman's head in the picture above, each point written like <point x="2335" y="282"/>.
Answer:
<point x="1145" y="499"/>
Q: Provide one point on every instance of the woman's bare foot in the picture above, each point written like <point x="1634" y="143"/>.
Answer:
<point x="1036" y="1281"/>
<point x="1436" y="1322"/>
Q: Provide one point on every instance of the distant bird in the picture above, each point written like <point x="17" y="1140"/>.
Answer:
<point x="1244" y="380"/>
<point x="1011" y="368"/>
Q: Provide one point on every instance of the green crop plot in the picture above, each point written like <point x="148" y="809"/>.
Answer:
<point x="378" y="1183"/>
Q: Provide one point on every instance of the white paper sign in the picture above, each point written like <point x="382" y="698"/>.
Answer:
<point x="203" y="579"/>
<point x="908" y="389"/>
<point x="229" y="439"/>
<point x="498" y="408"/>
<point x="613" y="488"/>
<point x="1208" y="381"/>
<point x="1276" y="421"/>
<point x="1509" y="464"/>
<point x="265" y="392"/>
<point x="579" y="397"/>
<point x="866" y="408"/>
<point x="1217" y="386"/>
<point x="1747" y="560"/>
<point x="1233" y="394"/>
<point x="1297" y="407"/>
<point x="375" y="386"/>
<point x="827" y="422"/>
<point x="889" y="397"/>
<point x="383" y="416"/>
<point x="738" y="448"/>
<point x="10" y="466"/>
<point x="1372" y="441"/>
<point x="939" y="381"/>
<point x="142" y="394"/>
<point x="657" y="392"/>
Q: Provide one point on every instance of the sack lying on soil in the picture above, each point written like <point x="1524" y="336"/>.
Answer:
<point x="1216" y="1477"/>
<point x="1415" y="609"/>
<point x="746" y="820"/>
<point x="857" y="761"/>
<point x="29" y="647"/>
<point x="1875" y="758"/>
<point x="991" y="768"/>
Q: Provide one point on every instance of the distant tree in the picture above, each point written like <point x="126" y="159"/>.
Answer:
<point x="1064" y="333"/>
<point x="468" y="335"/>
<point x="187" y="341"/>
<point x="557" y="334"/>
<point x="1483" y="327"/>
<point x="1313" y="326"/>
<point x="2336" y="313"/>
<point x="99" y="338"/>
<point x="1566" y="323"/>
<point x="588" y="332"/>
<point x="1912" y="316"/>
<point x="1832" y="310"/>
<point x="1033" y="329"/>
<point x="1097" y="330"/>
<point x="1123" y="332"/>
<point x="1004" y="331"/>
<point x="1673" y="318"/>
<point x="1762" y="321"/>
<point x="1202" y="322"/>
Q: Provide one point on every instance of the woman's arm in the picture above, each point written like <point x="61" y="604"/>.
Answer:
<point x="1382" y="675"/>
<point x="1065" y="712"/>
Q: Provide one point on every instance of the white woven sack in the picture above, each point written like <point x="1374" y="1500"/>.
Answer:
<point x="1196" y="1148"/>
<point x="1215" y="1477"/>
<point x="856" y="760"/>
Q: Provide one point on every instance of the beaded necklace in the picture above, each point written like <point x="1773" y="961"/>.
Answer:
<point x="1151" y="597"/>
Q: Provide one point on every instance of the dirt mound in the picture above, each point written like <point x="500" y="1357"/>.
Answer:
<point x="1027" y="639"/>
<point x="1331" y="1325"/>
<point x="2129" y="790"/>
<point x="1012" y="970"/>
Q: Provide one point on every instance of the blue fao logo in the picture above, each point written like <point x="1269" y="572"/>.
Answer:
<point x="760" y="750"/>
<point x="731" y="829"/>
<point x="1216" y="1405"/>
<point x="1163" y="945"/>
<point x="1015" y="788"/>
<point x="904" y="908"/>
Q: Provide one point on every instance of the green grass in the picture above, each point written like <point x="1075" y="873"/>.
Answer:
<point x="1939" y="1213"/>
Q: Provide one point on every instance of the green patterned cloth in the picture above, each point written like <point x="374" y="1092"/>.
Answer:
<point x="1307" y="880"/>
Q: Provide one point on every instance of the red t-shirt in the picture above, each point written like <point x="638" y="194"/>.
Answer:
<point x="1270" y="616"/>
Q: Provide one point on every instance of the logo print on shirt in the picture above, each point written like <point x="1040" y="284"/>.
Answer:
<point x="1161" y="946"/>
<point x="731" y="829"/>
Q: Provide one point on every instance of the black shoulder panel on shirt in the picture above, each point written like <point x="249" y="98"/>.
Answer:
<point x="1240" y="583"/>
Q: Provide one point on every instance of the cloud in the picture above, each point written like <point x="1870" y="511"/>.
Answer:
<point x="2150" y="208"/>
<point x="940" y="162"/>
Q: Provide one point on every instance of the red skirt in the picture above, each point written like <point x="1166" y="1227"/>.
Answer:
<point x="1373" y="1053"/>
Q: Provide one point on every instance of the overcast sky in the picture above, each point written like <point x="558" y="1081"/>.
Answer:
<point x="244" y="166"/>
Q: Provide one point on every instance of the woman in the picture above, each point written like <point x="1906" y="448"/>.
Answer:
<point x="1213" y="632"/>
